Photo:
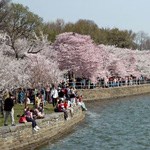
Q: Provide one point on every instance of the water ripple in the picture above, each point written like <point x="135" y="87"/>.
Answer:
<point x="119" y="124"/>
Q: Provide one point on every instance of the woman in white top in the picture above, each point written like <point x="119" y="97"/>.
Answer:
<point x="54" y="96"/>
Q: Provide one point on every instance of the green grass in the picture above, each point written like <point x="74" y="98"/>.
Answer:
<point x="18" y="109"/>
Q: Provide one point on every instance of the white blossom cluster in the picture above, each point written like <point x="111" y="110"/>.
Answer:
<point x="31" y="69"/>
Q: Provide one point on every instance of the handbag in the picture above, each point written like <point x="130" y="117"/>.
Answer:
<point x="22" y="119"/>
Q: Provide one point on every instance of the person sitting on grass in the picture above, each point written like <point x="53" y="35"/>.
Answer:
<point x="37" y="100"/>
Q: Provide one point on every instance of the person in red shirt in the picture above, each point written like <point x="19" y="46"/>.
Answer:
<point x="61" y="108"/>
<point x="66" y="104"/>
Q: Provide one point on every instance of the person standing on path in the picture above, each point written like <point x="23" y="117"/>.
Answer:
<point x="54" y="96"/>
<point x="9" y="110"/>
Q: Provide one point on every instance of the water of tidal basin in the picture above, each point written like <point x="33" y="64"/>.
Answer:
<point x="118" y="124"/>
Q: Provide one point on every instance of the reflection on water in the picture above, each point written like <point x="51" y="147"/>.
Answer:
<point x="118" y="124"/>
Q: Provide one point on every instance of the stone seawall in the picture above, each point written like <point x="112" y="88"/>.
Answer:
<point x="53" y="126"/>
<point x="115" y="92"/>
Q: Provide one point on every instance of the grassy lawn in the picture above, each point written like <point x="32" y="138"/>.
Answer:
<point x="48" y="108"/>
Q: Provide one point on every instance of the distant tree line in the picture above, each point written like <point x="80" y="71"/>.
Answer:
<point x="18" y="22"/>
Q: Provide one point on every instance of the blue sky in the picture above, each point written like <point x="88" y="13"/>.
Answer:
<point x="123" y="14"/>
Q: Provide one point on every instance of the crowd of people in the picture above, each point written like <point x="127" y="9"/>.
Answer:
<point x="62" y="98"/>
<point x="108" y="82"/>
<point x="115" y="81"/>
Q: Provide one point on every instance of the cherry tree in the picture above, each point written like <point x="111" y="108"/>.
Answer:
<point x="12" y="72"/>
<point x="143" y="62"/>
<point x="79" y="54"/>
<point x="43" y="71"/>
<point x="23" y="45"/>
<point x="30" y="69"/>
<point x="126" y="61"/>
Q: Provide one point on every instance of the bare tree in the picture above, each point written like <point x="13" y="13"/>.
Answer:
<point x="140" y="40"/>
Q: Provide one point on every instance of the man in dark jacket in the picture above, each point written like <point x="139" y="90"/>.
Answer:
<point x="8" y="110"/>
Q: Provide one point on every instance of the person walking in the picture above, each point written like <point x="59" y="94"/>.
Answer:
<point x="9" y="110"/>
